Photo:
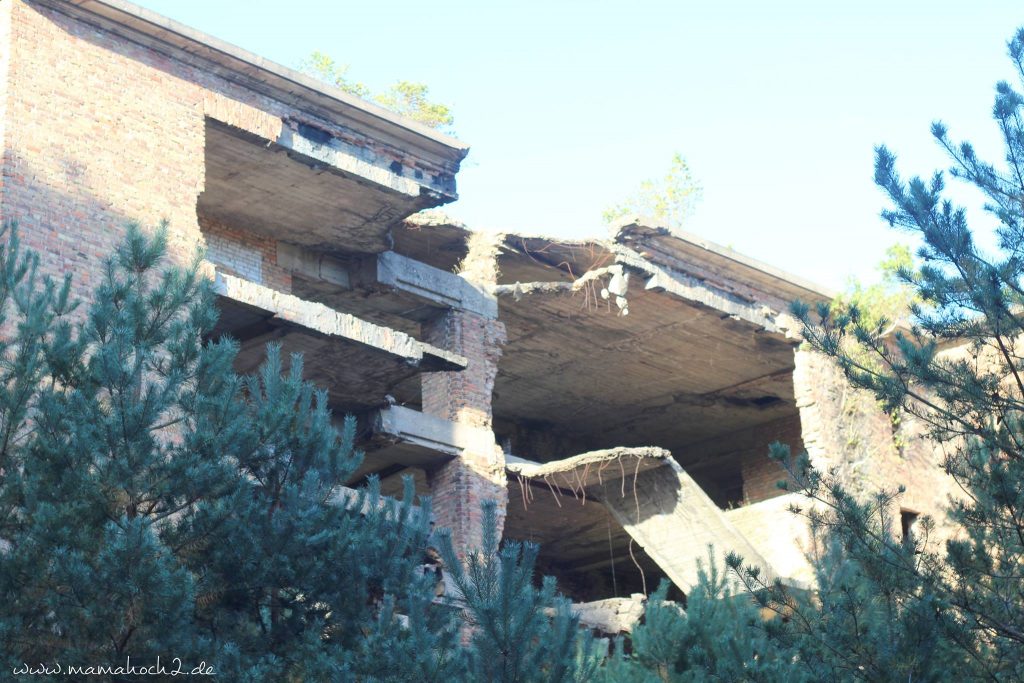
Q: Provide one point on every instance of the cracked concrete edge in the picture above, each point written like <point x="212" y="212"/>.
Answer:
<point x="338" y="159"/>
<point x="321" y="319"/>
<point x="662" y="278"/>
<point x="536" y="470"/>
<point x="431" y="431"/>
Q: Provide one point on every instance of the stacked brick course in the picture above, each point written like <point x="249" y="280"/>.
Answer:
<point x="244" y="253"/>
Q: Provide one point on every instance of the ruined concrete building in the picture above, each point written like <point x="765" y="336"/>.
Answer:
<point x="616" y="396"/>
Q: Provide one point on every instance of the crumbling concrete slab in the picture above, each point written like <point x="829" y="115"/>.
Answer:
<point x="586" y="471"/>
<point x="765" y="522"/>
<point x="309" y="186"/>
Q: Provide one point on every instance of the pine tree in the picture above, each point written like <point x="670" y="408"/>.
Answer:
<point x="153" y="503"/>
<point x="887" y="608"/>
<point x="519" y="633"/>
<point x="718" y="636"/>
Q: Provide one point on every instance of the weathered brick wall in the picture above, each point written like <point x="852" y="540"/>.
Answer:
<point x="846" y="429"/>
<point x="460" y="487"/>
<point x="244" y="253"/>
<point x="101" y="130"/>
<point x="760" y="473"/>
<point x="98" y="132"/>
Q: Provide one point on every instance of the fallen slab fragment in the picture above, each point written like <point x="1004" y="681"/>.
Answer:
<point x="657" y="503"/>
<point x="612" y="616"/>
<point x="387" y="272"/>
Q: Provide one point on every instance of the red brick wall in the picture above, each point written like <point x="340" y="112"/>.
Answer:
<point x="464" y="396"/>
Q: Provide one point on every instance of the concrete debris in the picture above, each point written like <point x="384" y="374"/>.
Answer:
<point x="612" y="616"/>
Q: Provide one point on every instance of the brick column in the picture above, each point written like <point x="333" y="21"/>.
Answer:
<point x="461" y="486"/>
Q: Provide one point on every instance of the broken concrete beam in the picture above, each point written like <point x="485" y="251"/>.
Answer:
<point x="433" y="285"/>
<point x="403" y="438"/>
<point x="423" y="283"/>
<point x="322" y="320"/>
<point x="314" y="265"/>
<point x="411" y="426"/>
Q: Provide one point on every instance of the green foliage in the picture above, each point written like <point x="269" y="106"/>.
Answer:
<point x="520" y="634"/>
<point x="410" y="99"/>
<point x="720" y="636"/>
<point x="890" y="299"/>
<point x="668" y="201"/>
<point x="403" y="97"/>
<point x="322" y="66"/>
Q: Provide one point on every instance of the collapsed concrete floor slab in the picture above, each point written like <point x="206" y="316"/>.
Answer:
<point x="649" y="497"/>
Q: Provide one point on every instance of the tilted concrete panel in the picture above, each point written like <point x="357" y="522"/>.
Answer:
<point x="656" y="502"/>
<point x="675" y="521"/>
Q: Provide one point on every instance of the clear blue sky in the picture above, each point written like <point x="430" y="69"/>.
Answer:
<point x="569" y="106"/>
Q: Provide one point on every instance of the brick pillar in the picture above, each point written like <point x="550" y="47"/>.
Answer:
<point x="461" y="486"/>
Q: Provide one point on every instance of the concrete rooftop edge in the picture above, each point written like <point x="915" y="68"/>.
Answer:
<point x="728" y="257"/>
<point x="280" y="81"/>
